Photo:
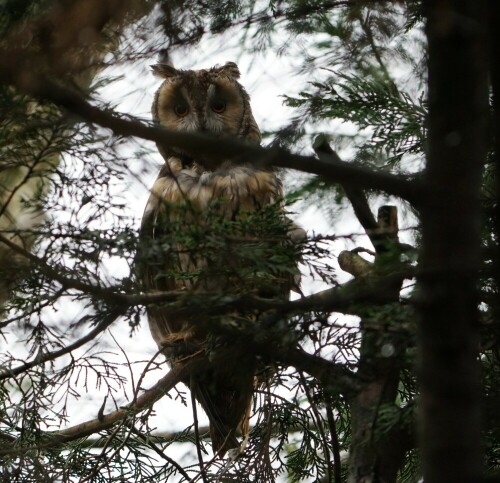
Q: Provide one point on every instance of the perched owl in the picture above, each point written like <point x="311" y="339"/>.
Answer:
<point x="190" y="197"/>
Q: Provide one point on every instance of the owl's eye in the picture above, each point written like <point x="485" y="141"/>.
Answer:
<point x="181" y="110"/>
<point x="218" y="106"/>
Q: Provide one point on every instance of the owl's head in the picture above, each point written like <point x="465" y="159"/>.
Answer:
<point x="207" y="100"/>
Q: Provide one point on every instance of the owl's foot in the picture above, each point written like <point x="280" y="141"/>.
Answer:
<point x="176" y="337"/>
<point x="180" y="343"/>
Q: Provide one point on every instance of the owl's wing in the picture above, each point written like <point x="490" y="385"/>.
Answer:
<point x="154" y="255"/>
<point x="156" y="259"/>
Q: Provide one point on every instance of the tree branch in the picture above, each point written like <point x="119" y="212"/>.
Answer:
<point x="43" y="357"/>
<point x="343" y="298"/>
<point x="381" y="238"/>
<point x="335" y="376"/>
<point x="103" y="422"/>
<point x="403" y="186"/>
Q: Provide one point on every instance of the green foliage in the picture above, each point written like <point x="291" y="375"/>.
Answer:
<point x="252" y="252"/>
<point x="394" y="123"/>
<point x="185" y="22"/>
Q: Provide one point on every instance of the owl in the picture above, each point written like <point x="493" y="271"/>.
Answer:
<point x="192" y="195"/>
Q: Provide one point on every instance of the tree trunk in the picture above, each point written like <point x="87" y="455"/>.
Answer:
<point x="448" y="303"/>
<point x="376" y="452"/>
<point x="494" y="59"/>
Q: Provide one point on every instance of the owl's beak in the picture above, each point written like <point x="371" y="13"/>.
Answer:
<point x="203" y="128"/>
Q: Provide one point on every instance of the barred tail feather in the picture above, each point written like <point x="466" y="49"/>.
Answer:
<point x="223" y="440"/>
<point x="228" y="412"/>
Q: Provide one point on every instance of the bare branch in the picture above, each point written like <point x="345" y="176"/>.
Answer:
<point x="331" y="374"/>
<point x="382" y="233"/>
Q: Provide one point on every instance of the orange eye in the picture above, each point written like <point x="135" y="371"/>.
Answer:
<point x="219" y="107"/>
<point x="181" y="110"/>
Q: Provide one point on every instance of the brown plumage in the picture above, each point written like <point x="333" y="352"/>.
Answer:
<point x="189" y="194"/>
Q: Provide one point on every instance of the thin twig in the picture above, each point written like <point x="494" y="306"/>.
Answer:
<point x="196" y="430"/>
<point x="107" y="459"/>
<point x="407" y="187"/>
<point x="43" y="357"/>
<point x="158" y="451"/>
<point x="337" y="473"/>
<point x="145" y="400"/>
<point x="339" y="299"/>
<point x="364" y="22"/>
<point x="319" y="424"/>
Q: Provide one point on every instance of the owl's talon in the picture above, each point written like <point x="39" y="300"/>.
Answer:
<point x="173" y="339"/>
<point x="180" y="344"/>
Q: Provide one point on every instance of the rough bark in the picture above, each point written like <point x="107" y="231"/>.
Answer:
<point x="377" y="452"/>
<point x="448" y="304"/>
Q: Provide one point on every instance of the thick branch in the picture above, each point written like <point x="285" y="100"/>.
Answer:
<point x="373" y="456"/>
<point x="338" y="377"/>
<point x="344" y="298"/>
<point x="334" y="378"/>
<point x="405" y="187"/>
<point x="381" y="238"/>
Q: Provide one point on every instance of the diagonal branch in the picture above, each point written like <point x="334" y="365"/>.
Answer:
<point x="344" y="298"/>
<point x="381" y="238"/>
<point x="103" y="422"/>
<point x="335" y="378"/>
<point x="334" y="375"/>
<point x="43" y="357"/>
<point x="355" y="195"/>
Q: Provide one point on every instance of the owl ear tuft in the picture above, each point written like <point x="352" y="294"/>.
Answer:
<point x="164" y="70"/>
<point x="230" y="69"/>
